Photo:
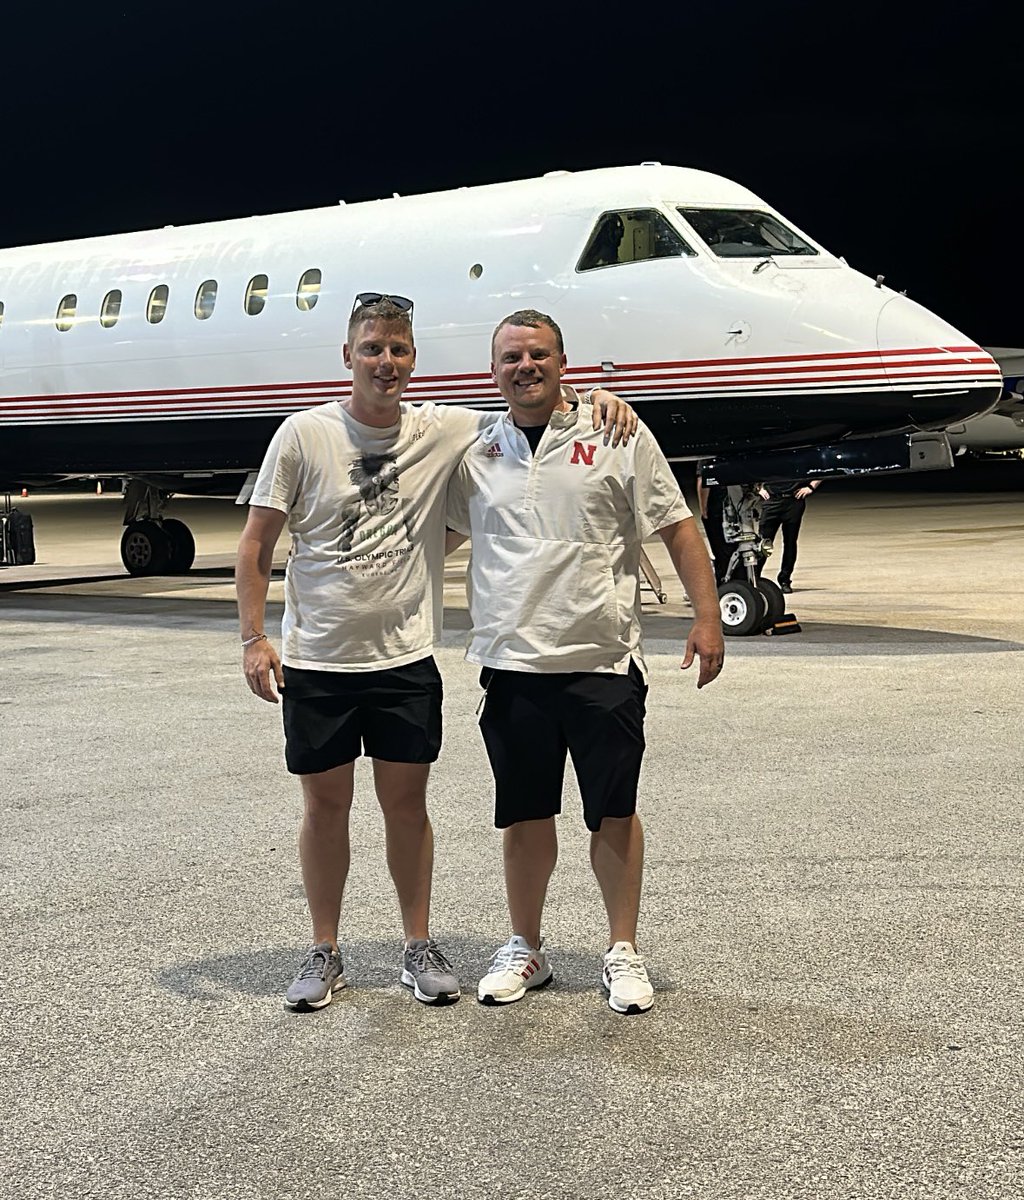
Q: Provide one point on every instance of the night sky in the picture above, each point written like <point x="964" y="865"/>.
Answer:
<point x="889" y="132"/>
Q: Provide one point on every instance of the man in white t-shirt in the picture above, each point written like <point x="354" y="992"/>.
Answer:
<point x="361" y="484"/>
<point x="557" y="526"/>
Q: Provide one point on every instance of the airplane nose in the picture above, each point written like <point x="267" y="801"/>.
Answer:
<point x="941" y="376"/>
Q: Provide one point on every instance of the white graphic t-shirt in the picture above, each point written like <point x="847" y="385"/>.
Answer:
<point x="366" y="513"/>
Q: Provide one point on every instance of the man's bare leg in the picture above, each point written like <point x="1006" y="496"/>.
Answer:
<point x="530" y="851"/>
<point x="324" y="846"/>
<point x="402" y="795"/>
<point x="617" y="856"/>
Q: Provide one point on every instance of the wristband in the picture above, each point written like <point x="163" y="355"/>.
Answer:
<point x="257" y="637"/>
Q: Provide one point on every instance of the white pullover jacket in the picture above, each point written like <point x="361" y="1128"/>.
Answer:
<point x="554" y="575"/>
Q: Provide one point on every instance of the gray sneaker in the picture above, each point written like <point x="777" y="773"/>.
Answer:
<point x="426" y="970"/>
<point x="319" y="977"/>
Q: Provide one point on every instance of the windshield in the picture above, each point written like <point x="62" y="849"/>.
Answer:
<point x="632" y="235"/>
<point x="740" y="233"/>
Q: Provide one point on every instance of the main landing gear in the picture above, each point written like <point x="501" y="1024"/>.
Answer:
<point x="153" y="544"/>
<point x="749" y="603"/>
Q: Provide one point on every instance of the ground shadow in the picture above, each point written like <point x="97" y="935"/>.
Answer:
<point x="369" y="964"/>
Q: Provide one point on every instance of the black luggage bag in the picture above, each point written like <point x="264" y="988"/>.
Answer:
<point x="17" y="543"/>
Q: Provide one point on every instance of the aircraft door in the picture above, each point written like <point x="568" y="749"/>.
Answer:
<point x="506" y="263"/>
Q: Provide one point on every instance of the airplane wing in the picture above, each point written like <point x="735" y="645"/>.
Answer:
<point x="1000" y="431"/>
<point x="1011" y="363"/>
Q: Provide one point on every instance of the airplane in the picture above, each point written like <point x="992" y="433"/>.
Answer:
<point x="167" y="358"/>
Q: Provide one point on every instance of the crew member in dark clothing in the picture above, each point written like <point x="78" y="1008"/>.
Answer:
<point x="784" y="504"/>
<point x="712" y="500"/>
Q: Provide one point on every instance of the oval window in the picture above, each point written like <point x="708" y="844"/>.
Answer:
<point x="1" y="312"/>
<point x="206" y="298"/>
<point x="110" y="309"/>
<point x="66" y="312"/>
<point x="156" y="309"/>
<point x="308" y="290"/>
<point x="256" y="295"/>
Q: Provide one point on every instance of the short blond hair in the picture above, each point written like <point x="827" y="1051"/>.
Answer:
<point x="383" y="310"/>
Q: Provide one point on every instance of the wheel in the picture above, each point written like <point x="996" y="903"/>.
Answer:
<point x="743" y="608"/>
<point x="183" y="546"/>
<point x="145" y="548"/>
<point x="776" y="601"/>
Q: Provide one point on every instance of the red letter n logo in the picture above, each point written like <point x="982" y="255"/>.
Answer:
<point x="583" y="454"/>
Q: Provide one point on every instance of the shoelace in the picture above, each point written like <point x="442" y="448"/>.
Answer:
<point x="505" y="958"/>
<point x="429" y="956"/>
<point x="316" y="964"/>
<point x="622" y="964"/>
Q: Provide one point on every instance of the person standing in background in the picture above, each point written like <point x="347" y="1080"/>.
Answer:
<point x="784" y="503"/>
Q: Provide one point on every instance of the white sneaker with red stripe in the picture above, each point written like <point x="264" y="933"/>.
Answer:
<point x="515" y="967"/>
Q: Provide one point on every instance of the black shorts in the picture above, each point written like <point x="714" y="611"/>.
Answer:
<point x="331" y="717"/>
<point x="530" y="721"/>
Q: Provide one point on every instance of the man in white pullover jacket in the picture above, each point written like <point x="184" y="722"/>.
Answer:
<point x="557" y="522"/>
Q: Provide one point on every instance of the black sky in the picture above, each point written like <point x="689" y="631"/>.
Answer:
<point x="889" y="132"/>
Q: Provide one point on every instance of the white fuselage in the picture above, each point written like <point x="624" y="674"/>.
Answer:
<point x="717" y="352"/>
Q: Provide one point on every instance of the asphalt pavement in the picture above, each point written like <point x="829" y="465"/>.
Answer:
<point x="832" y="909"/>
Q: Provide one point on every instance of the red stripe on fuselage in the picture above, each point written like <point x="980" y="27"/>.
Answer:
<point x="335" y="387"/>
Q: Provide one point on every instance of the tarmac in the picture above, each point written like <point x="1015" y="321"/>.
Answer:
<point x="832" y="909"/>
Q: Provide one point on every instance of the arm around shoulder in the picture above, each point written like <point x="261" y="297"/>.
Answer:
<point x="614" y="415"/>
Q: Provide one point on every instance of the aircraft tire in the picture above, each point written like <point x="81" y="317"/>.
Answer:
<point x="744" y="608"/>
<point x="145" y="548"/>
<point x="775" y="601"/>
<point x="183" y="546"/>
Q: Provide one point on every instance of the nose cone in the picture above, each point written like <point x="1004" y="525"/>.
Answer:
<point x="942" y="375"/>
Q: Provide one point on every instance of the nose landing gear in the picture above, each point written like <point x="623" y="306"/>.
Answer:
<point x="744" y="608"/>
<point x="749" y="603"/>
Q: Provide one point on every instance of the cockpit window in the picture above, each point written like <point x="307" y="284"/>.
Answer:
<point x="631" y="235"/>
<point x="740" y="233"/>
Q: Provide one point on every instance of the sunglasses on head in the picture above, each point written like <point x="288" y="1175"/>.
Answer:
<point x="368" y="299"/>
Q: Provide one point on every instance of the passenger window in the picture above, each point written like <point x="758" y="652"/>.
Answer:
<point x="632" y="235"/>
<point x="308" y="290"/>
<point x="1" y="313"/>
<point x="256" y="295"/>
<point x="66" y="312"/>
<point x="110" y="309"/>
<point x="741" y="233"/>
<point x="156" y="309"/>
<point x="206" y="298"/>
